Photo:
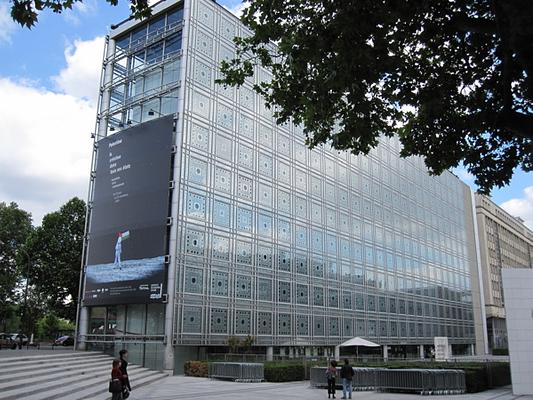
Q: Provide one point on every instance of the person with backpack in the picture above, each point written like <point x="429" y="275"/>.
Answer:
<point x="331" y="375"/>
<point x="347" y="374"/>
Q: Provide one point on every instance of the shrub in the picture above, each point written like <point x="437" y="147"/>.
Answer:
<point x="476" y="380"/>
<point x="284" y="372"/>
<point x="196" y="368"/>
<point x="500" y="352"/>
<point x="498" y="374"/>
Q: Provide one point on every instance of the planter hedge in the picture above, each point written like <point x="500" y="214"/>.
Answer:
<point x="487" y="376"/>
<point x="500" y="352"/>
<point x="498" y="374"/>
<point x="281" y="372"/>
<point x="196" y="368"/>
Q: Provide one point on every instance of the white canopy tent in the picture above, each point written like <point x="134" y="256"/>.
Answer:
<point x="359" y="341"/>
<point x="356" y="341"/>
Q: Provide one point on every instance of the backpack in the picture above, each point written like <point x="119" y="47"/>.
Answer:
<point x="330" y="374"/>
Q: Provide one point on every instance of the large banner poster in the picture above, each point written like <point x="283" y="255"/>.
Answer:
<point x="128" y="228"/>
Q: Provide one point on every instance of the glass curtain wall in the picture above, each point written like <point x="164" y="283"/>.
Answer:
<point x="139" y="328"/>
<point x="146" y="68"/>
<point x="296" y="246"/>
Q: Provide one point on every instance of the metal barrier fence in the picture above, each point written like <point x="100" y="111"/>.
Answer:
<point x="422" y="381"/>
<point x="238" y="372"/>
<point x="364" y="379"/>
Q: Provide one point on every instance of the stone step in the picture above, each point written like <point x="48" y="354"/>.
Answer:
<point x="44" y="376"/>
<point x="45" y="357"/>
<point x="74" y="389"/>
<point x="26" y="388"/>
<point x="10" y="376"/>
<point x="59" y="364"/>
<point x="137" y="382"/>
<point x="69" y="375"/>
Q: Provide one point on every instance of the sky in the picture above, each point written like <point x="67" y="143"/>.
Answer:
<point x="49" y="78"/>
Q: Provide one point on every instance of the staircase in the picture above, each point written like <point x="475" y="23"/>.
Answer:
<point x="66" y="375"/>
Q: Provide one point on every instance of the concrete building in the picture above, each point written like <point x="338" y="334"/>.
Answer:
<point x="300" y="249"/>
<point x="505" y="242"/>
<point x="517" y="284"/>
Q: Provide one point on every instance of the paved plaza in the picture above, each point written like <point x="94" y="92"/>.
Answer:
<point x="182" y="387"/>
<point x="56" y="374"/>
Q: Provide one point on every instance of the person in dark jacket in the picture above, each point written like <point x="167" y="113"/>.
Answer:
<point x="124" y="368"/>
<point x="347" y="374"/>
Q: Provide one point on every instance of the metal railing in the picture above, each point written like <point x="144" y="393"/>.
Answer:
<point x="141" y="70"/>
<point x="141" y="43"/>
<point x="235" y="357"/>
<point x="159" y="91"/>
<point x="109" y="338"/>
<point x="238" y="372"/>
<point x="423" y="381"/>
<point x="364" y="378"/>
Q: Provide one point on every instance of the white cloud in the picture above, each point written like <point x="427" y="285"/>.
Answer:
<point x="86" y="6"/>
<point x="238" y="9"/>
<point x="521" y="207"/>
<point x="81" y="77"/>
<point x="464" y="175"/>
<point x="79" y="10"/>
<point x="45" y="135"/>
<point x="46" y="147"/>
<point x="7" y="25"/>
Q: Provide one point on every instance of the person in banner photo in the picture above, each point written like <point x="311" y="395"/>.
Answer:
<point x="118" y="247"/>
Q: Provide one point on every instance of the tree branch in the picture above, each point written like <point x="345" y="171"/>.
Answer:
<point x="502" y="24"/>
<point x="519" y="123"/>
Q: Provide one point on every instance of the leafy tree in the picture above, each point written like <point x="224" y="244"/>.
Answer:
<point x="15" y="226"/>
<point x="11" y="319"/>
<point x="32" y="307"/>
<point x="56" y="248"/>
<point x="247" y="343"/>
<point x="48" y="326"/>
<point x="453" y="79"/>
<point x="26" y="12"/>
<point x="233" y="343"/>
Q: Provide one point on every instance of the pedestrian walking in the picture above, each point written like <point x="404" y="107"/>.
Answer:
<point x="331" y="375"/>
<point x="347" y="374"/>
<point x="115" y="385"/>
<point x="126" y="387"/>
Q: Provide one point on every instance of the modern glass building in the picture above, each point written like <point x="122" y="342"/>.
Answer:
<point x="300" y="249"/>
